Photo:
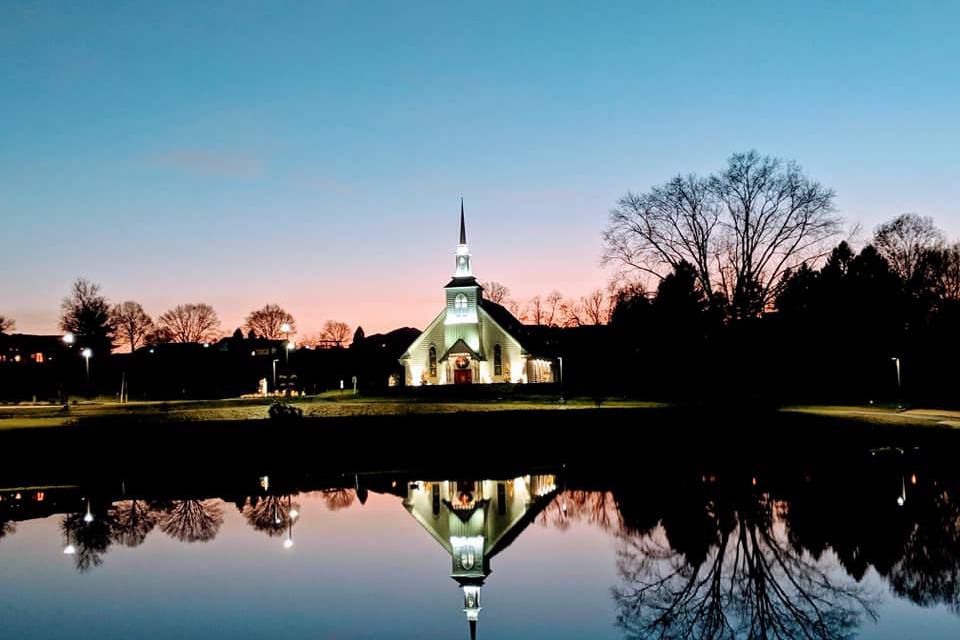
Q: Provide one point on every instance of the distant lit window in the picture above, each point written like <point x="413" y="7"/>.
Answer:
<point x="460" y="304"/>
<point x="37" y="357"/>
<point x="497" y="361"/>
<point x="433" y="361"/>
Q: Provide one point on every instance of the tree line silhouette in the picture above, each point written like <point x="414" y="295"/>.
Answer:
<point x="734" y="285"/>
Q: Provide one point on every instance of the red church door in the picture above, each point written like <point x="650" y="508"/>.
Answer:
<point x="462" y="376"/>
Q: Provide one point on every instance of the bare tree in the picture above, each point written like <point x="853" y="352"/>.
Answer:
<point x="7" y="324"/>
<point x="132" y="323"/>
<point x="191" y="323"/>
<point x="495" y="291"/>
<point x="570" y="313"/>
<point x="741" y="229"/>
<point x="905" y="242"/>
<point x="551" y="306"/>
<point x="334" y="332"/>
<point x="595" y="307"/>
<point x="535" y="310"/>
<point x="268" y="322"/>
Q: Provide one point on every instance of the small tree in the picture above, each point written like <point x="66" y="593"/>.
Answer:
<point x="7" y="324"/>
<point x="268" y="322"/>
<point x="334" y="331"/>
<point x="86" y="314"/>
<point x="358" y="336"/>
<point x="495" y="292"/>
<point x="595" y="306"/>
<point x="132" y="323"/>
<point x="190" y="323"/>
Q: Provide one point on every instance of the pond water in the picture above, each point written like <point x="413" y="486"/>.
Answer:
<point x="871" y="550"/>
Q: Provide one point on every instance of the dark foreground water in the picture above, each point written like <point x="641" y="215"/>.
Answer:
<point x="870" y="550"/>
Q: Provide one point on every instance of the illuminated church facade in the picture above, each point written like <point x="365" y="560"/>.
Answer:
<point x="473" y="340"/>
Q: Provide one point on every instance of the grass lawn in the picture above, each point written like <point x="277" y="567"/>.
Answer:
<point x="329" y="404"/>
<point x="882" y="415"/>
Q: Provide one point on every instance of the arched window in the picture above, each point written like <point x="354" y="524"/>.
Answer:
<point x="433" y="361"/>
<point x="497" y="361"/>
<point x="460" y="304"/>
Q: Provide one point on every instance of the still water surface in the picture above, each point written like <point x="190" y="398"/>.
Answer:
<point x="872" y="551"/>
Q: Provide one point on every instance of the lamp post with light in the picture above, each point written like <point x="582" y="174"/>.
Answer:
<point x="896" y="362"/>
<point x="64" y="368"/>
<point x="285" y="329"/>
<point x="560" y="358"/>
<point x="275" y="361"/>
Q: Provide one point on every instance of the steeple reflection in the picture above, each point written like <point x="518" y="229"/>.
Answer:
<point x="474" y="520"/>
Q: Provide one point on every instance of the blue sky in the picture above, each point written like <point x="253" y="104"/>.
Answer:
<point x="313" y="154"/>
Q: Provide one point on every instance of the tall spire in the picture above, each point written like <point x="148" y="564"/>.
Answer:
<point x="463" y="228"/>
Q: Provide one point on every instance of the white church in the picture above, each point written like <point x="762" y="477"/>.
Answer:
<point x="472" y="340"/>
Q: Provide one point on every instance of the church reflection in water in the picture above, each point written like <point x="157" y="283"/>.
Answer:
<point x="474" y="520"/>
<point x="700" y="553"/>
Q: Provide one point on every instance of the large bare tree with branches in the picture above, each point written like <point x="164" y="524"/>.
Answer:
<point x="268" y="322"/>
<point x="742" y="228"/>
<point x="132" y="323"/>
<point x="190" y="323"/>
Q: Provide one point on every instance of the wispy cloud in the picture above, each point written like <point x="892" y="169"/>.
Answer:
<point x="212" y="162"/>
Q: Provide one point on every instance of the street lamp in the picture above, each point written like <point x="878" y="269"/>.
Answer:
<point x="87" y="353"/>
<point x="896" y="362"/>
<point x="275" y="361"/>
<point x="561" y="378"/>
<point x="68" y="340"/>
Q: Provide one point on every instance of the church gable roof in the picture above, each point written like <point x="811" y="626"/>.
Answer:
<point x="461" y="347"/>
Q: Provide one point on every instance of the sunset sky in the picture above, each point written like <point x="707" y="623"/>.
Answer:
<point x="314" y="154"/>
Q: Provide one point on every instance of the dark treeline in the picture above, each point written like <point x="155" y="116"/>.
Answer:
<point x="850" y="330"/>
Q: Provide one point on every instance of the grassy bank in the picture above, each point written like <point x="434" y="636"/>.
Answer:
<point x="327" y="405"/>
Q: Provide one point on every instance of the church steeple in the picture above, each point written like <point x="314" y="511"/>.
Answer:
<point x="463" y="252"/>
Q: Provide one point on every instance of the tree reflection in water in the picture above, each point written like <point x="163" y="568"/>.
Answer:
<point x="928" y="572"/>
<point x="134" y="520"/>
<point x="747" y="581"/>
<point x="192" y="520"/>
<point x="337" y="499"/>
<point x="7" y="529"/>
<point x="270" y="514"/>
<point x="89" y="537"/>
